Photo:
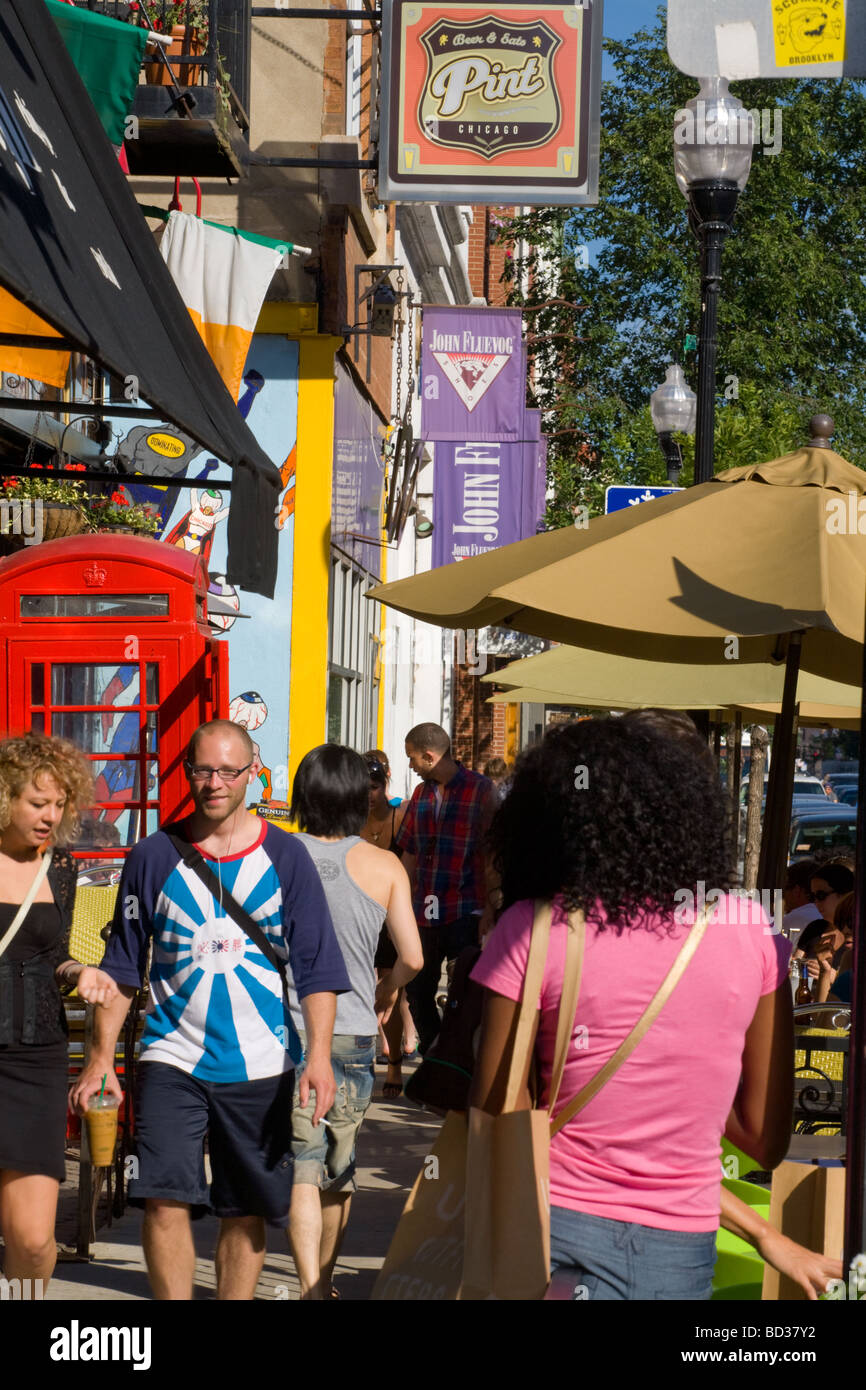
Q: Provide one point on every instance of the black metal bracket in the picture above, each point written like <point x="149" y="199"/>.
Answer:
<point x="294" y="162"/>
<point x="133" y="412"/>
<point x="117" y="479"/>
<point x="281" y="12"/>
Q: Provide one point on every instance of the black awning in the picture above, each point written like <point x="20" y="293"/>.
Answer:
<point x="74" y="247"/>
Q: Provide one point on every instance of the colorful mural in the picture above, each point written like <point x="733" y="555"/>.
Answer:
<point x="258" y="631"/>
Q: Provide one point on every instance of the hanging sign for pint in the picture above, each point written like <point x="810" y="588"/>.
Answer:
<point x="490" y="103"/>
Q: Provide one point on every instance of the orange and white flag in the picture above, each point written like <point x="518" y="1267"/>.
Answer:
<point x="223" y="276"/>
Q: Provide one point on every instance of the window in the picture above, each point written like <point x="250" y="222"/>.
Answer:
<point x="353" y="648"/>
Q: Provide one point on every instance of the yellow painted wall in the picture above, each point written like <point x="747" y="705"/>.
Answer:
<point x="308" y="688"/>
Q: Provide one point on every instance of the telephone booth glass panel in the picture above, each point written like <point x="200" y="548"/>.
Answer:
<point x="110" y="711"/>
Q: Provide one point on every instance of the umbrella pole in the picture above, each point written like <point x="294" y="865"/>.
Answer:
<point x="780" y="785"/>
<point x="855" y="1177"/>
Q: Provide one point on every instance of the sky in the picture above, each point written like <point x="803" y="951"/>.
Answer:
<point x="625" y="17"/>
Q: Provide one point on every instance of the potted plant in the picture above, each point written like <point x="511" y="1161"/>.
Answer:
<point x="188" y="22"/>
<point x="117" y="512"/>
<point x="55" y="505"/>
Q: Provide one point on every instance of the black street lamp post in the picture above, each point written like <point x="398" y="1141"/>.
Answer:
<point x="713" y="137"/>
<point x="672" y="406"/>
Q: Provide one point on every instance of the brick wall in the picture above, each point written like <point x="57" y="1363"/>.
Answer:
<point x="479" y="731"/>
<point x="486" y="262"/>
<point x="334" y="76"/>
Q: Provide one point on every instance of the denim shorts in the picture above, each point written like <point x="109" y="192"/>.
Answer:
<point x="607" y="1260"/>
<point x="325" y="1155"/>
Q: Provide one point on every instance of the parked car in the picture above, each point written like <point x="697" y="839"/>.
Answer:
<point x="837" y="780"/>
<point x="848" y="796"/>
<point x="803" y="786"/>
<point x="816" y="832"/>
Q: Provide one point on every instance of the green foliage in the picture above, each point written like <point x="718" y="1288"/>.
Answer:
<point x="793" y="306"/>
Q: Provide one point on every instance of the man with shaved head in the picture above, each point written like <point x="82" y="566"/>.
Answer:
<point x="227" y="901"/>
<point x="442" y="840"/>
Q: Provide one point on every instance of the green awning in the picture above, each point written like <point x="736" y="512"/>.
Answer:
<point x="107" y="54"/>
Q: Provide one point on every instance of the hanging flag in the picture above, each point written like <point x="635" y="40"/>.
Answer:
<point x="107" y="54"/>
<point x="39" y="364"/>
<point x="223" y="275"/>
<point x="473" y="374"/>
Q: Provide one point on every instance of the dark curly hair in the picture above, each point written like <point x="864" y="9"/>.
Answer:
<point x="615" y="815"/>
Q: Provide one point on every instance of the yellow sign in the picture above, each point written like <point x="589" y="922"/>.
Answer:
<point x="167" y="445"/>
<point x="806" y="33"/>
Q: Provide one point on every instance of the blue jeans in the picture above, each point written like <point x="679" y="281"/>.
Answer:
<point x="607" y="1260"/>
<point x="324" y="1157"/>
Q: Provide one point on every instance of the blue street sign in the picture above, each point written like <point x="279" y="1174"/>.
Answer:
<point x="616" y="499"/>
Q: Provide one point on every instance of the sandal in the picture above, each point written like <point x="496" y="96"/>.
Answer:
<point x="392" y="1090"/>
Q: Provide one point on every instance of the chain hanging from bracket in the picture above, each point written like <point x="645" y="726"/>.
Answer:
<point x="410" y="384"/>
<point x="398" y="395"/>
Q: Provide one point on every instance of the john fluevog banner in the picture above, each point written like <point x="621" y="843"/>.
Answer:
<point x="490" y="103"/>
<point x="473" y="374"/>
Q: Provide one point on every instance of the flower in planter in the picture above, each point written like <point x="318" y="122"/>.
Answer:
<point x="106" y="513"/>
<point x="48" y="484"/>
<point x="193" y="13"/>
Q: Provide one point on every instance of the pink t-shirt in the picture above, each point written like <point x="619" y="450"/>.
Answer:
<point x="647" y="1147"/>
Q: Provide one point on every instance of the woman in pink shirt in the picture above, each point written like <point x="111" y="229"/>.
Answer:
<point x="625" y="820"/>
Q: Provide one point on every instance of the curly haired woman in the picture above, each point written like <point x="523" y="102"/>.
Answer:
<point x="624" y="819"/>
<point x="45" y="783"/>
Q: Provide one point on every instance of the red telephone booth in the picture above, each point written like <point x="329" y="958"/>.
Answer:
<point x="104" y="640"/>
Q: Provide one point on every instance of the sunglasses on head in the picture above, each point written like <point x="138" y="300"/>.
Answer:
<point x="375" y="768"/>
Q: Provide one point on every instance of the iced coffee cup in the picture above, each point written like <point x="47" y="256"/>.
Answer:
<point x="101" y="1117"/>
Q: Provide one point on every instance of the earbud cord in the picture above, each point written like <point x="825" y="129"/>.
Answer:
<point x="219" y="866"/>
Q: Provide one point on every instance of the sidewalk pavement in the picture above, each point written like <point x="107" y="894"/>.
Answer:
<point x="395" y="1138"/>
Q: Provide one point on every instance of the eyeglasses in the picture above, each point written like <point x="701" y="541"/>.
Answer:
<point x="225" y="774"/>
<point x="823" y="893"/>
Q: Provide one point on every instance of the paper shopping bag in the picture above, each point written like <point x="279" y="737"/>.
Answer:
<point x="507" y="1215"/>
<point x="425" y="1259"/>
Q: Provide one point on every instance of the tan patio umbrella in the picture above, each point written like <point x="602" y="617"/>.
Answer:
<point x="757" y="553"/>
<point x="600" y="680"/>
<point x="810" y="715"/>
<point x="760" y="563"/>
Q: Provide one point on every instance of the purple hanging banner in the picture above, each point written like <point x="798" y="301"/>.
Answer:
<point x="477" y="499"/>
<point x="356" y="500"/>
<point x="473" y="374"/>
<point x="541" y="484"/>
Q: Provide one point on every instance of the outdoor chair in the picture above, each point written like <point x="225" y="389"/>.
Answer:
<point x="821" y="1068"/>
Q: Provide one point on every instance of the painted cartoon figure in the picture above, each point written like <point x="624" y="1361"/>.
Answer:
<point x="194" y="531"/>
<point x="119" y="780"/>
<point x="250" y="711"/>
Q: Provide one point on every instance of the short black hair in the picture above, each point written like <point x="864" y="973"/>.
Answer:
<point x="811" y="933"/>
<point x="429" y="738"/>
<point x="331" y="791"/>
<point x="800" y="875"/>
<point x="836" y="876"/>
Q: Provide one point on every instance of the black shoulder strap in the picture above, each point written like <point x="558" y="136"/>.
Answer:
<point x="194" y="860"/>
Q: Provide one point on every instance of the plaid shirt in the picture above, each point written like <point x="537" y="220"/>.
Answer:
<point x="449" y="849"/>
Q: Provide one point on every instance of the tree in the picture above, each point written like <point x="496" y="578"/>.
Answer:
<point x="792" y="332"/>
